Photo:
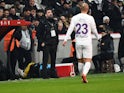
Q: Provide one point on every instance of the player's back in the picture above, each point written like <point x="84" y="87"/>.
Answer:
<point x="83" y="25"/>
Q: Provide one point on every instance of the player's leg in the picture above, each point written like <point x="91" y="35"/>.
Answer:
<point x="86" y="66"/>
<point x="80" y="66"/>
<point x="86" y="69"/>
<point x="79" y="57"/>
<point x="87" y="58"/>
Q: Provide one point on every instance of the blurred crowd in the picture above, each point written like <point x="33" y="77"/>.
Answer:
<point x="33" y="10"/>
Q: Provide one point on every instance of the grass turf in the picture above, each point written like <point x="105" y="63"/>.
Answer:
<point x="98" y="83"/>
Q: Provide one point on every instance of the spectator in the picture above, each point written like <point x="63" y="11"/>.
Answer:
<point x="61" y="28"/>
<point x="121" y="42"/>
<point x="1" y="12"/>
<point x="106" y="5"/>
<point x="33" y="14"/>
<point x="115" y="16"/>
<point x="121" y="8"/>
<point x="106" y="46"/>
<point x="74" y="3"/>
<point x="13" y="13"/>
<point x="48" y="3"/>
<point x="2" y="4"/>
<point x="75" y="7"/>
<point x="58" y="7"/>
<point x="97" y="14"/>
<point x="121" y="50"/>
<point x="65" y="21"/>
<point x="30" y="5"/>
<point x="105" y="26"/>
<point x="67" y="10"/>
<point x="18" y="7"/>
<point x="40" y="14"/>
<point x="38" y="4"/>
<point x="7" y="14"/>
<point x="27" y="14"/>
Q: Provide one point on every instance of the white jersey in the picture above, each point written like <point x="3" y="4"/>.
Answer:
<point x="83" y="25"/>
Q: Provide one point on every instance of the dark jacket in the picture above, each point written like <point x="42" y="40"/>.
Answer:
<point x="115" y="18"/>
<point x="121" y="46"/>
<point x="107" y="44"/>
<point x="44" y="33"/>
<point x="107" y="47"/>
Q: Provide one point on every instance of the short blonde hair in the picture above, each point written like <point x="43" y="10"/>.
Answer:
<point x="83" y="6"/>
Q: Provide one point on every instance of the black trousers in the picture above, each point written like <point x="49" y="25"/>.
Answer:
<point x="24" y="58"/>
<point x="12" y="58"/>
<point x="76" y="60"/>
<point x="97" y="60"/>
<point x="49" y="50"/>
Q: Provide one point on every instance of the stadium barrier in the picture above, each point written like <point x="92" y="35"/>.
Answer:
<point x="63" y="52"/>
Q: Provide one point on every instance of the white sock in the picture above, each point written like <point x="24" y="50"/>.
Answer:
<point x="80" y="67"/>
<point x="86" y="68"/>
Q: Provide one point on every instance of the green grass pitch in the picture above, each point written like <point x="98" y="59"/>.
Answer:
<point x="98" y="83"/>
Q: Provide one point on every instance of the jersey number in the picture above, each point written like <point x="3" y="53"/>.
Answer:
<point x="80" y="27"/>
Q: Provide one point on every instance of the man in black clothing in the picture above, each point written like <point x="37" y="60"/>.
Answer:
<point x="106" y="51"/>
<point x="121" y="50"/>
<point x="115" y="16"/>
<point x="1" y="12"/>
<point x="47" y="42"/>
<point x="13" y="13"/>
<point x="29" y="5"/>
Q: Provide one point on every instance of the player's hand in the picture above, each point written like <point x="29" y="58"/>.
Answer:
<point x="64" y="43"/>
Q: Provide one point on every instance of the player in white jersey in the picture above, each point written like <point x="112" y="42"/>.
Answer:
<point x="83" y="25"/>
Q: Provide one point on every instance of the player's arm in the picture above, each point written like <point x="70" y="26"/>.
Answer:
<point x="69" y="31"/>
<point x="94" y="29"/>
